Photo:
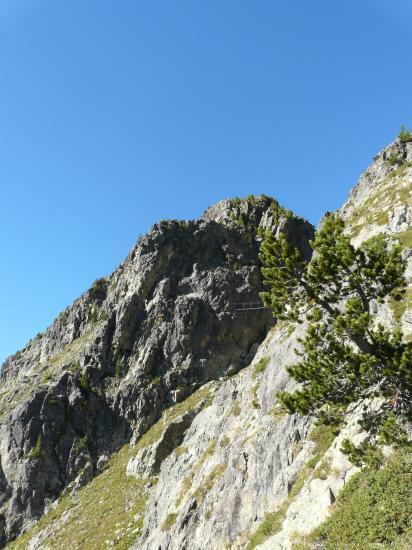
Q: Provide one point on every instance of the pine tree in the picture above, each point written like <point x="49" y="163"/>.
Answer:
<point x="347" y="360"/>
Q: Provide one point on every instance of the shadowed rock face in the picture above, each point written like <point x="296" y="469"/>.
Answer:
<point x="159" y="327"/>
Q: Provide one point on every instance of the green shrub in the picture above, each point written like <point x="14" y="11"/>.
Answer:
<point x="208" y="483"/>
<point x="118" y="368"/>
<point x="373" y="510"/>
<point x="169" y="522"/>
<point x="235" y="409"/>
<point x="343" y="347"/>
<point x="260" y="366"/>
<point x="98" y="291"/>
<point x="84" y="382"/>
<point x="36" y="451"/>
<point x="94" y="315"/>
<point x="63" y="317"/>
<point x="394" y="160"/>
<point x="405" y="135"/>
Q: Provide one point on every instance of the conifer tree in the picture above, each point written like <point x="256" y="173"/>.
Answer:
<point x="347" y="359"/>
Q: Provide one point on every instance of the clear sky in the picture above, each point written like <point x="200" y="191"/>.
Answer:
<point x="114" y="114"/>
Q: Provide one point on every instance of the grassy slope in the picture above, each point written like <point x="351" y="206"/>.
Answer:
<point x="109" y="511"/>
<point x="102" y="511"/>
<point x="373" y="511"/>
<point x="394" y="190"/>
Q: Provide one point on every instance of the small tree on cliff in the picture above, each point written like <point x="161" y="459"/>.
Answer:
<point x="346" y="357"/>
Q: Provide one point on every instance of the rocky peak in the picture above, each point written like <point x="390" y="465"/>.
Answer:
<point x="259" y="214"/>
<point x="380" y="188"/>
<point x="253" y="210"/>
<point x="137" y="342"/>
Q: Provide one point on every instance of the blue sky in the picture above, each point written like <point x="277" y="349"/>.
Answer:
<point x="116" y="114"/>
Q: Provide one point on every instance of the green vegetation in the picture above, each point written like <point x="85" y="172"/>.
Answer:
<point x="188" y="480"/>
<point x="278" y="412"/>
<point x="235" y="409"/>
<point x="224" y="442"/>
<point x="181" y="450"/>
<point x="271" y="524"/>
<point x="84" y="443"/>
<point x="208" y="483"/>
<point x="70" y="353"/>
<point x="156" y="380"/>
<point x="345" y="358"/>
<point x="36" y="451"/>
<point x="322" y="436"/>
<point x="323" y="471"/>
<point x="405" y="135"/>
<point x="169" y="522"/>
<point x="255" y="398"/>
<point x="84" y="382"/>
<point x="118" y="368"/>
<point x="209" y="452"/>
<point x="242" y="218"/>
<point x="111" y="507"/>
<point x="48" y="369"/>
<point x="374" y="510"/>
<point x="93" y="315"/>
<point x="63" y="317"/>
<point x="400" y="306"/>
<point x="374" y="210"/>
<point x="260" y="366"/>
<point x="98" y="290"/>
<point x="405" y="238"/>
<point x="204" y="395"/>
<point x="185" y="488"/>
<point x="394" y="159"/>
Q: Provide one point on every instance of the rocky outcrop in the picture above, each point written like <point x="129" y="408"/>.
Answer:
<point x="162" y="325"/>
<point x="237" y="461"/>
<point x="148" y="461"/>
<point x="380" y="202"/>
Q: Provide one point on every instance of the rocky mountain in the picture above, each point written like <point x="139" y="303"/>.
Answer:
<point x="147" y="337"/>
<point x="145" y="417"/>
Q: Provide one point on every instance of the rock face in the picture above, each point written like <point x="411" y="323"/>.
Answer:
<point x="239" y="458"/>
<point x="162" y="325"/>
<point x="381" y="201"/>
